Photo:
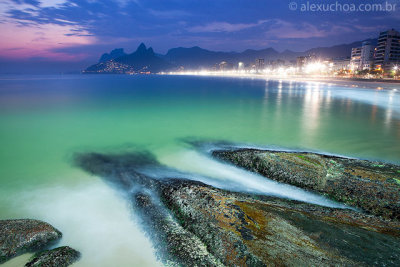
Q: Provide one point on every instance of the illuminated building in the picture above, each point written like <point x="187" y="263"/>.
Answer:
<point x="387" y="53"/>
<point x="362" y="57"/>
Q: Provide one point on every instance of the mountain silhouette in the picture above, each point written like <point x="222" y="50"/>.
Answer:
<point x="142" y="60"/>
<point x="145" y="59"/>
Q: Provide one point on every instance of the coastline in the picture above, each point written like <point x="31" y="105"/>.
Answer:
<point x="376" y="84"/>
<point x="193" y="223"/>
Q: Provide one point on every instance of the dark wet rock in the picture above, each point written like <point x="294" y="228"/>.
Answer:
<point x="194" y="224"/>
<point x="371" y="186"/>
<point x="25" y="235"/>
<point x="174" y="243"/>
<point x="119" y="170"/>
<point x="58" y="257"/>
<point x="254" y="231"/>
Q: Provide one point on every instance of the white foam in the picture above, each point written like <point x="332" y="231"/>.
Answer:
<point x="229" y="177"/>
<point x="95" y="220"/>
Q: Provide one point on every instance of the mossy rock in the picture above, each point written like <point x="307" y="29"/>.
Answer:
<point x="25" y="235"/>
<point x="58" y="257"/>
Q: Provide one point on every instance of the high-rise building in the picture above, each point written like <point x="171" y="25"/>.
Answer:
<point x="362" y="57"/>
<point x="260" y="65"/>
<point x="355" y="61"/>
<point x="387" y="54"/>
<point x="367" y="56"/>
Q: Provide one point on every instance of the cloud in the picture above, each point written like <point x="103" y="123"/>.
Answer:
<point x="374" y="28"/>
<point x="52" y="3"/>
<point x="39" y="40"/>
<point x="168" y="14"/>
<point x="282" y="29"/>
<point x="225" y="27"/>
<point x="105" y="24"/>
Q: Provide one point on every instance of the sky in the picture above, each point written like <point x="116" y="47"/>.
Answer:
<point x="69" y="35"/>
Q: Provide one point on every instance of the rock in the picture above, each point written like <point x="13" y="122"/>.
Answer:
<point x="25" y="235"/>
<point x="372" y="186"/>
<point x="175" y="245"/>
<point x="192" y="223"/>
<point x="58" y="257"/>
<point x="264" y="231"/>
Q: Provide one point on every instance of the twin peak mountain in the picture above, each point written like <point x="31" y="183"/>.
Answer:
<point x="144" y="60"/>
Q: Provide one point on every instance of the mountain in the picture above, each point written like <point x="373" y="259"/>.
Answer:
<point x="116" y="53"/>
<point x="251" y="55"/>
<point x="336" y="51"/>
<point x="142" y="60"/>
<point x="196" y="57"/>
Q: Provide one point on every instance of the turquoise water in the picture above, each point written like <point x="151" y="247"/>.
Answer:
<point x="44" y="120"/>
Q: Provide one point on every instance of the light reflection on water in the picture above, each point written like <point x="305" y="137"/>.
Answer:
<point x="43" y="120"/>
<point x="320" y="101"/>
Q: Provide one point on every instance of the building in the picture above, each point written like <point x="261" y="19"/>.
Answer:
<point x="355" y="61"/>
<point x="387" y="54"/>
<point x="260" y="64"/>
<point x="300" y="63"/>
<point x="223" y="66"/>
<point x="303" y="61"/>
<point x="240" y="66"/>
<point x="362" y="57"/>
<point x="340" y="64"/>
<point x="367" y="56"/>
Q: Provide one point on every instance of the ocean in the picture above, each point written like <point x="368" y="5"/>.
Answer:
<point x="46" y="120"/>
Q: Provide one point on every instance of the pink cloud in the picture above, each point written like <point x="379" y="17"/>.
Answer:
<point x="40" y="40"/>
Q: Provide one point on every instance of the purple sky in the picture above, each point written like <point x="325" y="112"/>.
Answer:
<point x="71" y="34"/>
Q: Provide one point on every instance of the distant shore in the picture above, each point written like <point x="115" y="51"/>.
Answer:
<point x="378" y="84"/>
<point x="348" y="82"/>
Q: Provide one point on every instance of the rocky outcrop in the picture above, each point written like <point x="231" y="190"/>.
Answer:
<point x="192" y="223"/>
<point x="25" y="235"/>
<point x="58" y="257"/>
<point x="264" y="231"/>
<point x="175" y="244"/>
<point x="372" y="186"/>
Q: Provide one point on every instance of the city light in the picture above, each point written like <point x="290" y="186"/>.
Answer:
<point x="315" y="67"/>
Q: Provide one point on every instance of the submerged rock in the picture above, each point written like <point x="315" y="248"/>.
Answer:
<point x="372" y="186"/>
<point x="25" y="235"/>
<point x="58" y="257"/>
<point x="174" y="244"/>
<point x="191" y="223"/>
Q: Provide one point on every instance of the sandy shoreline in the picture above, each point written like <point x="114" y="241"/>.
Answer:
<point x="378" y="84"/>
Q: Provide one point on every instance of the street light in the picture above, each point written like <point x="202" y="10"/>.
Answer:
<point x="395" y="69"/>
